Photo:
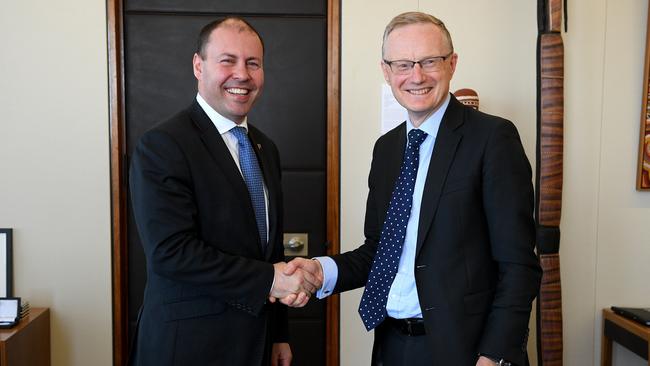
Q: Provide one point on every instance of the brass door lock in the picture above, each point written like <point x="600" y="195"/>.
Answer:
<point x="296" y="244"/>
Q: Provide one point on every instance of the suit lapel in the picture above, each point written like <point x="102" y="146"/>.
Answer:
<point x="394" y="163"/>
<point x="444" y="151"/>
<point x="221" y="155"/>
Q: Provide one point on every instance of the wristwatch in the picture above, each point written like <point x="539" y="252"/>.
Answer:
<point x="498" y="361"/>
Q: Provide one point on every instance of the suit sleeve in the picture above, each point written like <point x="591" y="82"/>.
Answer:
<point x="280" y="322"/>
<point x="508" y="205"/>
<point x="166" y="215"/>
<point x="354" y="266"/>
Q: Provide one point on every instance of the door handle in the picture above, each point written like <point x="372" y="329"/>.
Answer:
<point x="296" y="244"/>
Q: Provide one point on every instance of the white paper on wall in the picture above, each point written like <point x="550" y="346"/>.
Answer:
<point x="392" y="113"/>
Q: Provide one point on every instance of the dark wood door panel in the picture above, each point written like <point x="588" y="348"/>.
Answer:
<point x="291" y="110"/>
<point x="281" y="7"/>
<point x="158" y="69"/>
<point x="307" y="337"/>
<point x="305" y="202"/>
<point x="151" y="44"/>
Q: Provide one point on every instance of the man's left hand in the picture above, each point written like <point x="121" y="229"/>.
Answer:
<point x="281" y="354"/>
<point x="484" y="361"/>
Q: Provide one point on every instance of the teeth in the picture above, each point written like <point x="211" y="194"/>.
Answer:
<point x="419" y="91"/>
<point x="237" y="91"/>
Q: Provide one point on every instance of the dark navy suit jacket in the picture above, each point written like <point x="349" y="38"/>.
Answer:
<point x="475" y="268"/>
<point x="208" y="277"/>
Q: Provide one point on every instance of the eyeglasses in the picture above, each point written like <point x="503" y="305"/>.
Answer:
<point x="429" y="64"/>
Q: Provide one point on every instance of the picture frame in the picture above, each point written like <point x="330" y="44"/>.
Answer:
<point x="643" y="167"/>
<point x="6" y="262"/>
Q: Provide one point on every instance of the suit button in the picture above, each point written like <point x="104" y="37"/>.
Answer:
<point x="421" y="266"/>
<point x="430" y="308"/>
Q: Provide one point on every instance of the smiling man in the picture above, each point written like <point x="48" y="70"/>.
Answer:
<point x="207" y="201"/>
<point x="448" y="261"/>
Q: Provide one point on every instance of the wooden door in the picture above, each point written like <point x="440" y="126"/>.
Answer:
<point x="152" y="78"/>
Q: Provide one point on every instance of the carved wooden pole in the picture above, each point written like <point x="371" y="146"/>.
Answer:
<point x="548" y="200"/>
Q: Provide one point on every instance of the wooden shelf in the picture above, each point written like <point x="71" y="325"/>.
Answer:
<point x="28" y="343"/>
<point x="628" y="333"/>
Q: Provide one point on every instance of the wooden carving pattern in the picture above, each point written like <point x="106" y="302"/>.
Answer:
<point x="550" y="129"/>
<point x="643" y="172"/>
<point x="555" y="15"/>
<point x="550" y="298"/>
<point x="644" y="182"/>
<point x="468" y="97"/>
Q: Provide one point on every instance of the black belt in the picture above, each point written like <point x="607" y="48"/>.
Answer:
<point x="410" y="327"/>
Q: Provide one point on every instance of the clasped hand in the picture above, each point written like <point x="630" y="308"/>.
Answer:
<point x="296" y="281"/>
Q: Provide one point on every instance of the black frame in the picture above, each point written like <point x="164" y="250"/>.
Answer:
<point x="8" y="262"/>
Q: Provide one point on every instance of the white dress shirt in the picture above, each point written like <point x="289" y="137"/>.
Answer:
<point x="403" y="296"/>
<point x="224" y="126"/>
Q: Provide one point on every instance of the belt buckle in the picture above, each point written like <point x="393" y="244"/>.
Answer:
<point x="409" y="327"/>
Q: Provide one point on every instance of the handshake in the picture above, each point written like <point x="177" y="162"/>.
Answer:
<point x="296" y="281"/>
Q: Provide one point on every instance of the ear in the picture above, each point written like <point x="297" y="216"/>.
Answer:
<point x="197" y="66"/>
<point x="452" y="62"/>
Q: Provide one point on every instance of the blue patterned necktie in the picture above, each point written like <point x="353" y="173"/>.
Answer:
<point x="384" y="266"/>
<point x="250" y="169"/>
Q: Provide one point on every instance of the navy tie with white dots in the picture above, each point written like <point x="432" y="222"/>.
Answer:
<point x="384" y="267"/>
<point x="252" y="173"/>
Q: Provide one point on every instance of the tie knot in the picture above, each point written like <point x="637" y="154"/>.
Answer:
<point x="416" y="137"/>
<point x="240" y="134"/>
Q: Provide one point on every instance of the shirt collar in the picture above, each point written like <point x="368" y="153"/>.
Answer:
<point x="222" y="123"/>
<point x="432" y="123"/>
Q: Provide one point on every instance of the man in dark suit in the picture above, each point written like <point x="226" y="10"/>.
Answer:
<point x="207" y="200"/>
<point x="448" y="261"/>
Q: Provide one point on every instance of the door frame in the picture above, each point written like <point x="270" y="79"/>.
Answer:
<point x="119" y="173"/>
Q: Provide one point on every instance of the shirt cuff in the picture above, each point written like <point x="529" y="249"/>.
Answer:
<point x="330" y="275"/>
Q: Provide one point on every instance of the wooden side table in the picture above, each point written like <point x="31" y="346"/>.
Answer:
<point x="627" y="333"/>
<point x="28" y="343"/>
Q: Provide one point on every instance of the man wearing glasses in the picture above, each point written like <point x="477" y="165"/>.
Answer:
<point x="448" y="262"/>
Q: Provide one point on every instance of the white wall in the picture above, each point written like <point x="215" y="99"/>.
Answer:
<point x="605" y="222"/>
<point x="54" y="173"/>
<point x="623" y="217"/>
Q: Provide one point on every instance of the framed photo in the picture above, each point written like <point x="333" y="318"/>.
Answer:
<point x="6" y="263"/>
<point x="643" y="169"/>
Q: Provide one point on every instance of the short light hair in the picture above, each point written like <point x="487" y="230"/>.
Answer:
<point x="415" y="17"/>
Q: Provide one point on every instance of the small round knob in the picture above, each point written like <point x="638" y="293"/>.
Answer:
<point x="294" y="244"/>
